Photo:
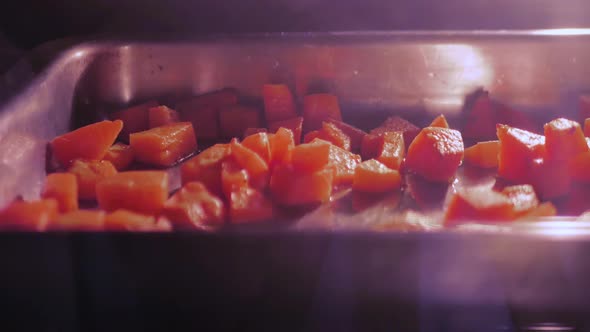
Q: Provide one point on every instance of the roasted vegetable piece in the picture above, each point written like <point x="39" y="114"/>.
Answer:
<point x="88" y="142"/>
<point x="252" y="131"/>
<point x="28" y="216"/>
<point x="311" y="136"/>
<point x="256" y="167"/>
<point x="318" y="108"/>
<point x="374" y="177"/>
<point x="194" y="207"/>
<point x="483" y="154"/>
<point x="164" y="146"/>
<point x="235" y="119"/>
<point x="388" y="148"/>
<point x="518" y="149"/>
<point x="481" y="118"/>
<point x="139" y="191"/>
<point x="344" y="163"/>
<point x="88" y="173"/>
<point x="440" y="121"/>
<point x="291" y="187"/>
<point x="63" y="187"/>
<point x="233" y="177"/>
<point x="311" y="156"/>
<point x="80" y="220"/>
<point x="120" y="155"/>
<point x="162" y="116"/>
<point x="480" y="204"/>
<point x="281" y="145"/>
<point x="356" y="135"/>
<point x="550" y="178"/>
<point x="260" y="144"/>
<point x="395" y="123"/>
<point x="249" y="205"/>
<point x="134" y="118"/>
<point x="564" y="140"/>
<point x="203" y="111"/>
<point x="295" y="125"/>
<point x="331" y="133"/>
<point x="579" y="167"/>
<point x="278" y="103"/>
<point x="435" y="153"/>
<point x="124" y="220"/>
<point x="206" y="168"/>
<point x="523" y="198"/>
<point x="587" y="127"/>
<point x="546" y="209"/>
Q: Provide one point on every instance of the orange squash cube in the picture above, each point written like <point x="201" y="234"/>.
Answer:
<point x="124" y="220"/>
<point x="356" y="135"/>
<point x="564" y="140"/>
<point x="278" y="103"/>
<point x="88" y="142"/>
<point x="88" y="173"/>
<point x="281" y="146"/>
<point x="63" y="187"/>
<point x="256" y="167"/>
<point x="483" y="154"/>
<point x="252" y="131"/>
<point x="311" y="156"/>
<point x="205" y="121"/>
<point x="134" y="118"/>
<point x="344" y="163"/>
<point x="249" y="205"/>
<point x="139" y="191"/>
<point x="480" y="204"/>
<point x="233" y="177"/>
<point x="80" y="220"/>
<point x="550" y="178"/>
<point x="518" y="149"/>
<point x="388" y="148"/>
<point x="331" y="133"/>
<point x="374" y="177"/>
<point x="164" y="146"/>
<point x="318" y="108"/>
<point x="120" y="155"/>
<point x="440" y="121"/>
<point x="579" y="167"/>
<point x="395" y="123"/>
<point x="206" y="168"/>
<point x="291" y="187"/>
<point x="260" y="144"/>
<point x="194" y="207"/>
<point x="545" y="209"/>
<point x="162" y="116"/>
<point x="435" y="153"/>
<point x="235" y="119"/>
<point x="311" y="136"/>
<point x="28" y="216"/>
<point x="523" y="198"/>
<point x="481" y="118"/>
<point x="294" y="124"/>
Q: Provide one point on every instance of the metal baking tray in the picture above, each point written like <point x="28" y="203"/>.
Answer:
<point x="487" y="279"/>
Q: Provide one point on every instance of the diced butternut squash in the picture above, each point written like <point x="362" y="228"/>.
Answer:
<point x="356" y="135"/>
<point x="331" y="133"/>
<point x="291" y="187"/>
<point x="311" y="156"/>
<point x="523" y="198"/>
<point x="88" y="142"/>
<point x="80" y="220"/>
<point x="194" y="207"/>
<point x="344" y="163"/>
<point x="88" y="173"/>
<point x="478" y="204"/>
<point x="564" y="140"/>
<point x="481" y="118"/>
<point x="134" y="118"/>
<point x="483" y="154"/>
<point x="440" y="121"/>
<point x="545" y="209"/>
<point x="278" y="103"/>
<point x="311" y="136"/>
<point x="205" y="121"/>
<point x="281" y="146"/>
<point x="124" y="220"/>
<point x="29" y="216"/>
<point x="162" y="116"/>
<point x="395" y="123"/>
<point x="63" y="187"/>
<point x="120" y="155"/>
<point x="260" y="144"/>
<point x="518" y="149"/>
<point x="256" y="167"/>
<point x="294" y="124"/>
<point x="206" y="168"/>
<point x="584" y="106"/>
<point x="550" y="178"/>
<point x="249" y="205"/>
<point x="579" y="167"/>
<point x="318" y="108"/>
<point x="233" y="177"/>
<point x="164" y="146"/>
<point x="252" y="131"/>
<point x="388" y="148"/>
<point x="139" y="191"/>
<point x="235" y="119"/>
<point x="435" y="153"/>
<point x="587" y="127"/>
<point x="374" y="177"/>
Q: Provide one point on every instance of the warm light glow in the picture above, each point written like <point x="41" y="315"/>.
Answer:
<point x="558" y="229"/>
<point x="562" y="32"/>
